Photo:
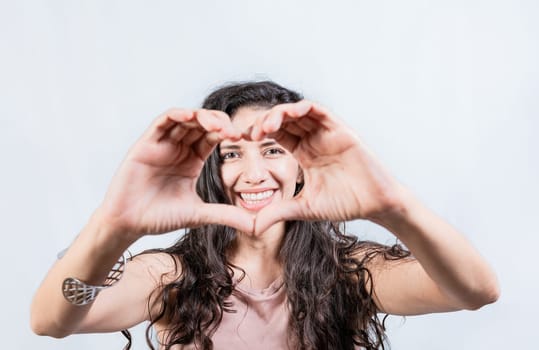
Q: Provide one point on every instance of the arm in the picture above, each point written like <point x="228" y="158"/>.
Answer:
<point x="152" y="192"/>
<point x="90" y="258"/>
<point x="447" y="273"/>
<point x="345" y="181"/>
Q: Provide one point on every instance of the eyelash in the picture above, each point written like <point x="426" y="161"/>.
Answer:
<point x="274" y="151"/>
<point x="228" y="155"/>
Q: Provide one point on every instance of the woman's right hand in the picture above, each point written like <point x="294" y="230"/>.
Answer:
<point x="154" y="192"/>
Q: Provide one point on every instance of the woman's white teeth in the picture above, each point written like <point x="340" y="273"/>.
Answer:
<point x="252" y="197"/>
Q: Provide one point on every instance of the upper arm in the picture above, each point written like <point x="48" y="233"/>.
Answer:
<point x="402" y="287"/>
<point x="134" y="298"/>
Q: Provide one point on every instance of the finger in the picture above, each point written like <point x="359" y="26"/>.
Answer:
<point x="255" y="130"/>
<point x="209" y="121"/>
<point x="192" y="136"/>
<point x="229" y="215"/>
<point x="217" y="126"/>
<point x="228" y="131"/>
<point x="206" y="144"/>
<point x="204" y="123"/>
<point x="296" y="126"/>
<point x="322" y="116"/>
<point x="272" y="214"/>
<point x="307" y="124"/>
<point x="282" y="116"/>
<point x="306" y="114"/>
<point x="285" y="112"/>
<point x="201" y="130"/>
<point x="217" y="122"/>
<point x="177" y="133"/>
<point x="175" y="124"/>
<point x="292" y="128"/>
<point x="287" y="140"/>
<point x="163" y="124"/>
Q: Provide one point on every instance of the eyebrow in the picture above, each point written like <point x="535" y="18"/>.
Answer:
<point x="235" y="147"/>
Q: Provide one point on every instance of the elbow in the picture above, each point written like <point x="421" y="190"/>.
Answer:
<point x="44" y="327"/>
<point x="44" y="321"/>
<point x="483" y="296"/>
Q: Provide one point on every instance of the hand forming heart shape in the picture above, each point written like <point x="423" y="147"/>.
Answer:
<point x="154" y="189"/>
<point x="343" y="180"/>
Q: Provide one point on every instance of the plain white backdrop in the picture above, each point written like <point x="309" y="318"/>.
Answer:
<point x="444" y="92"/>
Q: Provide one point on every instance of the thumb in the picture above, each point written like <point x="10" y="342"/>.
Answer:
<point x="229" y="215"/>
<point x="274" y="213"/>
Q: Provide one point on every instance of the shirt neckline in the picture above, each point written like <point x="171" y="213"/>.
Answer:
<point x="269" y="290"/>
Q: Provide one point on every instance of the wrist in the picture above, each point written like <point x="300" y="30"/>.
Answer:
<point x="110" y="230"/>
<point x="399" y="213"/>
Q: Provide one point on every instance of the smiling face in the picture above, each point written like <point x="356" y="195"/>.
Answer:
<point x="256" y="173"/>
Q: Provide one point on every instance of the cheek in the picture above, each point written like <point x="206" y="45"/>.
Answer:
<point x="229" y="176"/>
<point x="287" y="172"/>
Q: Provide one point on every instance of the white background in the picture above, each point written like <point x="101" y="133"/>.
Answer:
<point x="444" y="92"/>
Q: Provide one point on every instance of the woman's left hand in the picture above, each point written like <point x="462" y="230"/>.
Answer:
<point x="343" y="180"/>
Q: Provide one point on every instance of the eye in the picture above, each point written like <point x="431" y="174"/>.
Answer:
<point x="274" y="151"/>
<point x="229" y="155"/>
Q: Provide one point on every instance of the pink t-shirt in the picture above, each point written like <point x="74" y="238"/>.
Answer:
<point x="260" y="320"/>
<point x="261" y="323"/>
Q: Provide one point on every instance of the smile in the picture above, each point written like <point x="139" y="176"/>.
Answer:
<point x="255" y="201"/>
<point x="254" y="197"/>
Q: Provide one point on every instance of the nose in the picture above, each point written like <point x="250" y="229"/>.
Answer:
<point x="255" y="170"/>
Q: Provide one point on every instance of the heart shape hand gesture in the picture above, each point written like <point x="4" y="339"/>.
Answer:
<point x="154" y="189"/>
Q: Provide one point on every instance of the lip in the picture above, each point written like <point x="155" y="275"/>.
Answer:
<point x="259" y="204"/>
<point x="255" y="190"/>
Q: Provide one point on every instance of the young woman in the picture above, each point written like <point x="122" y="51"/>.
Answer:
<point x="262" y="178"/>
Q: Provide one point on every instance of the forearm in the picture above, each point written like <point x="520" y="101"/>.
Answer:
<point x="89" y="259"/>
<point x="456" y="267"/>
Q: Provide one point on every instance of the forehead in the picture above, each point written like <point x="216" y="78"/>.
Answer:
<point x="246" y="116"/>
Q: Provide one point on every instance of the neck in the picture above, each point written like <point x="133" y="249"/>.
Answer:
<point x="258" y="256"/>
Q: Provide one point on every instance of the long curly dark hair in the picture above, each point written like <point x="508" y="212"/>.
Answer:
<point x="329" y="291"/>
